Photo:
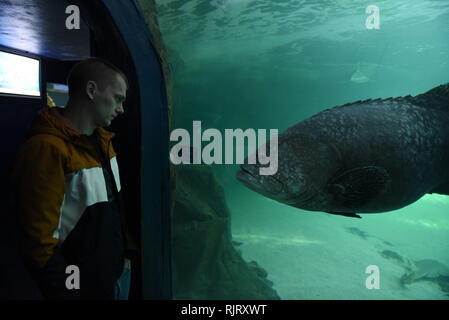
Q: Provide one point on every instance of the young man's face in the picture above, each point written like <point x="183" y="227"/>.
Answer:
<point x="108" y="104"/>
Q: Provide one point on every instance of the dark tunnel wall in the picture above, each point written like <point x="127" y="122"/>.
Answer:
<point x="117" y="33"/>
<point x="17" y="113"/>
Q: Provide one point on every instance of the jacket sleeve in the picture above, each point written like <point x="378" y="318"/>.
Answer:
<point x="38" y="180"/>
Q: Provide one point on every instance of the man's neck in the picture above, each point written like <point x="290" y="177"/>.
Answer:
<point x="78" y="117"/>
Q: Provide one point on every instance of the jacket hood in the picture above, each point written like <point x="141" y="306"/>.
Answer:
<point x="50" y="121"/>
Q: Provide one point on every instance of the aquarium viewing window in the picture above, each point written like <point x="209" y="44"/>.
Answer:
<point x="57" y="87"/>
<point x="19" y="75"/>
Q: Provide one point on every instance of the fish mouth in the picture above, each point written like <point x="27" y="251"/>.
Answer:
<point x="245" y="176"/>
<point x="249" y="176"/>
<point x="246" y="170"/>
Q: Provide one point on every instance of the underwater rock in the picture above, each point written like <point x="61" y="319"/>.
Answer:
<point x="205" y="263"/>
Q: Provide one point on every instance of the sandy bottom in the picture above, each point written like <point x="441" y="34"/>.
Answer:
<point x="313" y="255"/>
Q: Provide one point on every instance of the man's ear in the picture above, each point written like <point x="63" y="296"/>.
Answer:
<point x="91" y="89"/>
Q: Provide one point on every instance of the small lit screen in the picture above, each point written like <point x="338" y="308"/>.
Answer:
<point x="19" y="75"/>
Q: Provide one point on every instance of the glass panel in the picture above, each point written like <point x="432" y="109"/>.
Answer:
<point x="58" y="94"/>
<point x="271" y="65"/>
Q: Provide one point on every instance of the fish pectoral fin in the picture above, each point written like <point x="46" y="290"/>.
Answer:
<point x="357" y="186"/>
<point x="346" y="214"/>
<point x="335" y="189"/>
<point x="441" y="189"/>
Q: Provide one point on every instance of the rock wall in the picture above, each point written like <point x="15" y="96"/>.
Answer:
<point x="206" y="264"/>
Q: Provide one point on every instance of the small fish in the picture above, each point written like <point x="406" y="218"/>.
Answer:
<point x="358" y="232"/>
<point x="389" y="254"/>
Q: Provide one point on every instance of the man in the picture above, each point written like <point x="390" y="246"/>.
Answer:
<point x="67" y="188"/>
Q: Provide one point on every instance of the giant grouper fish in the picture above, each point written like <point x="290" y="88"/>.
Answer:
<point x="367" y="156"/>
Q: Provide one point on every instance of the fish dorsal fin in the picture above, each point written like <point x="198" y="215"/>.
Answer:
<point x="442" y="90"/>
<point x="436" y="98"/>
<point x="367" y="101"/>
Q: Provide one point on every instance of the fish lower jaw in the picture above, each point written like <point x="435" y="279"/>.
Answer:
<point x="251" y="183"/>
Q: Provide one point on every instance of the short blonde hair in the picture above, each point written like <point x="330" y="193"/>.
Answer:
<point x="92" y="69"/>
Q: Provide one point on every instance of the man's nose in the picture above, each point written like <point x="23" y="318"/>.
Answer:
<point x="120" y="109"/>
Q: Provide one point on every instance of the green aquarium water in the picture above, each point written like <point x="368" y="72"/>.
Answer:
<point x="265" y="64"/>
